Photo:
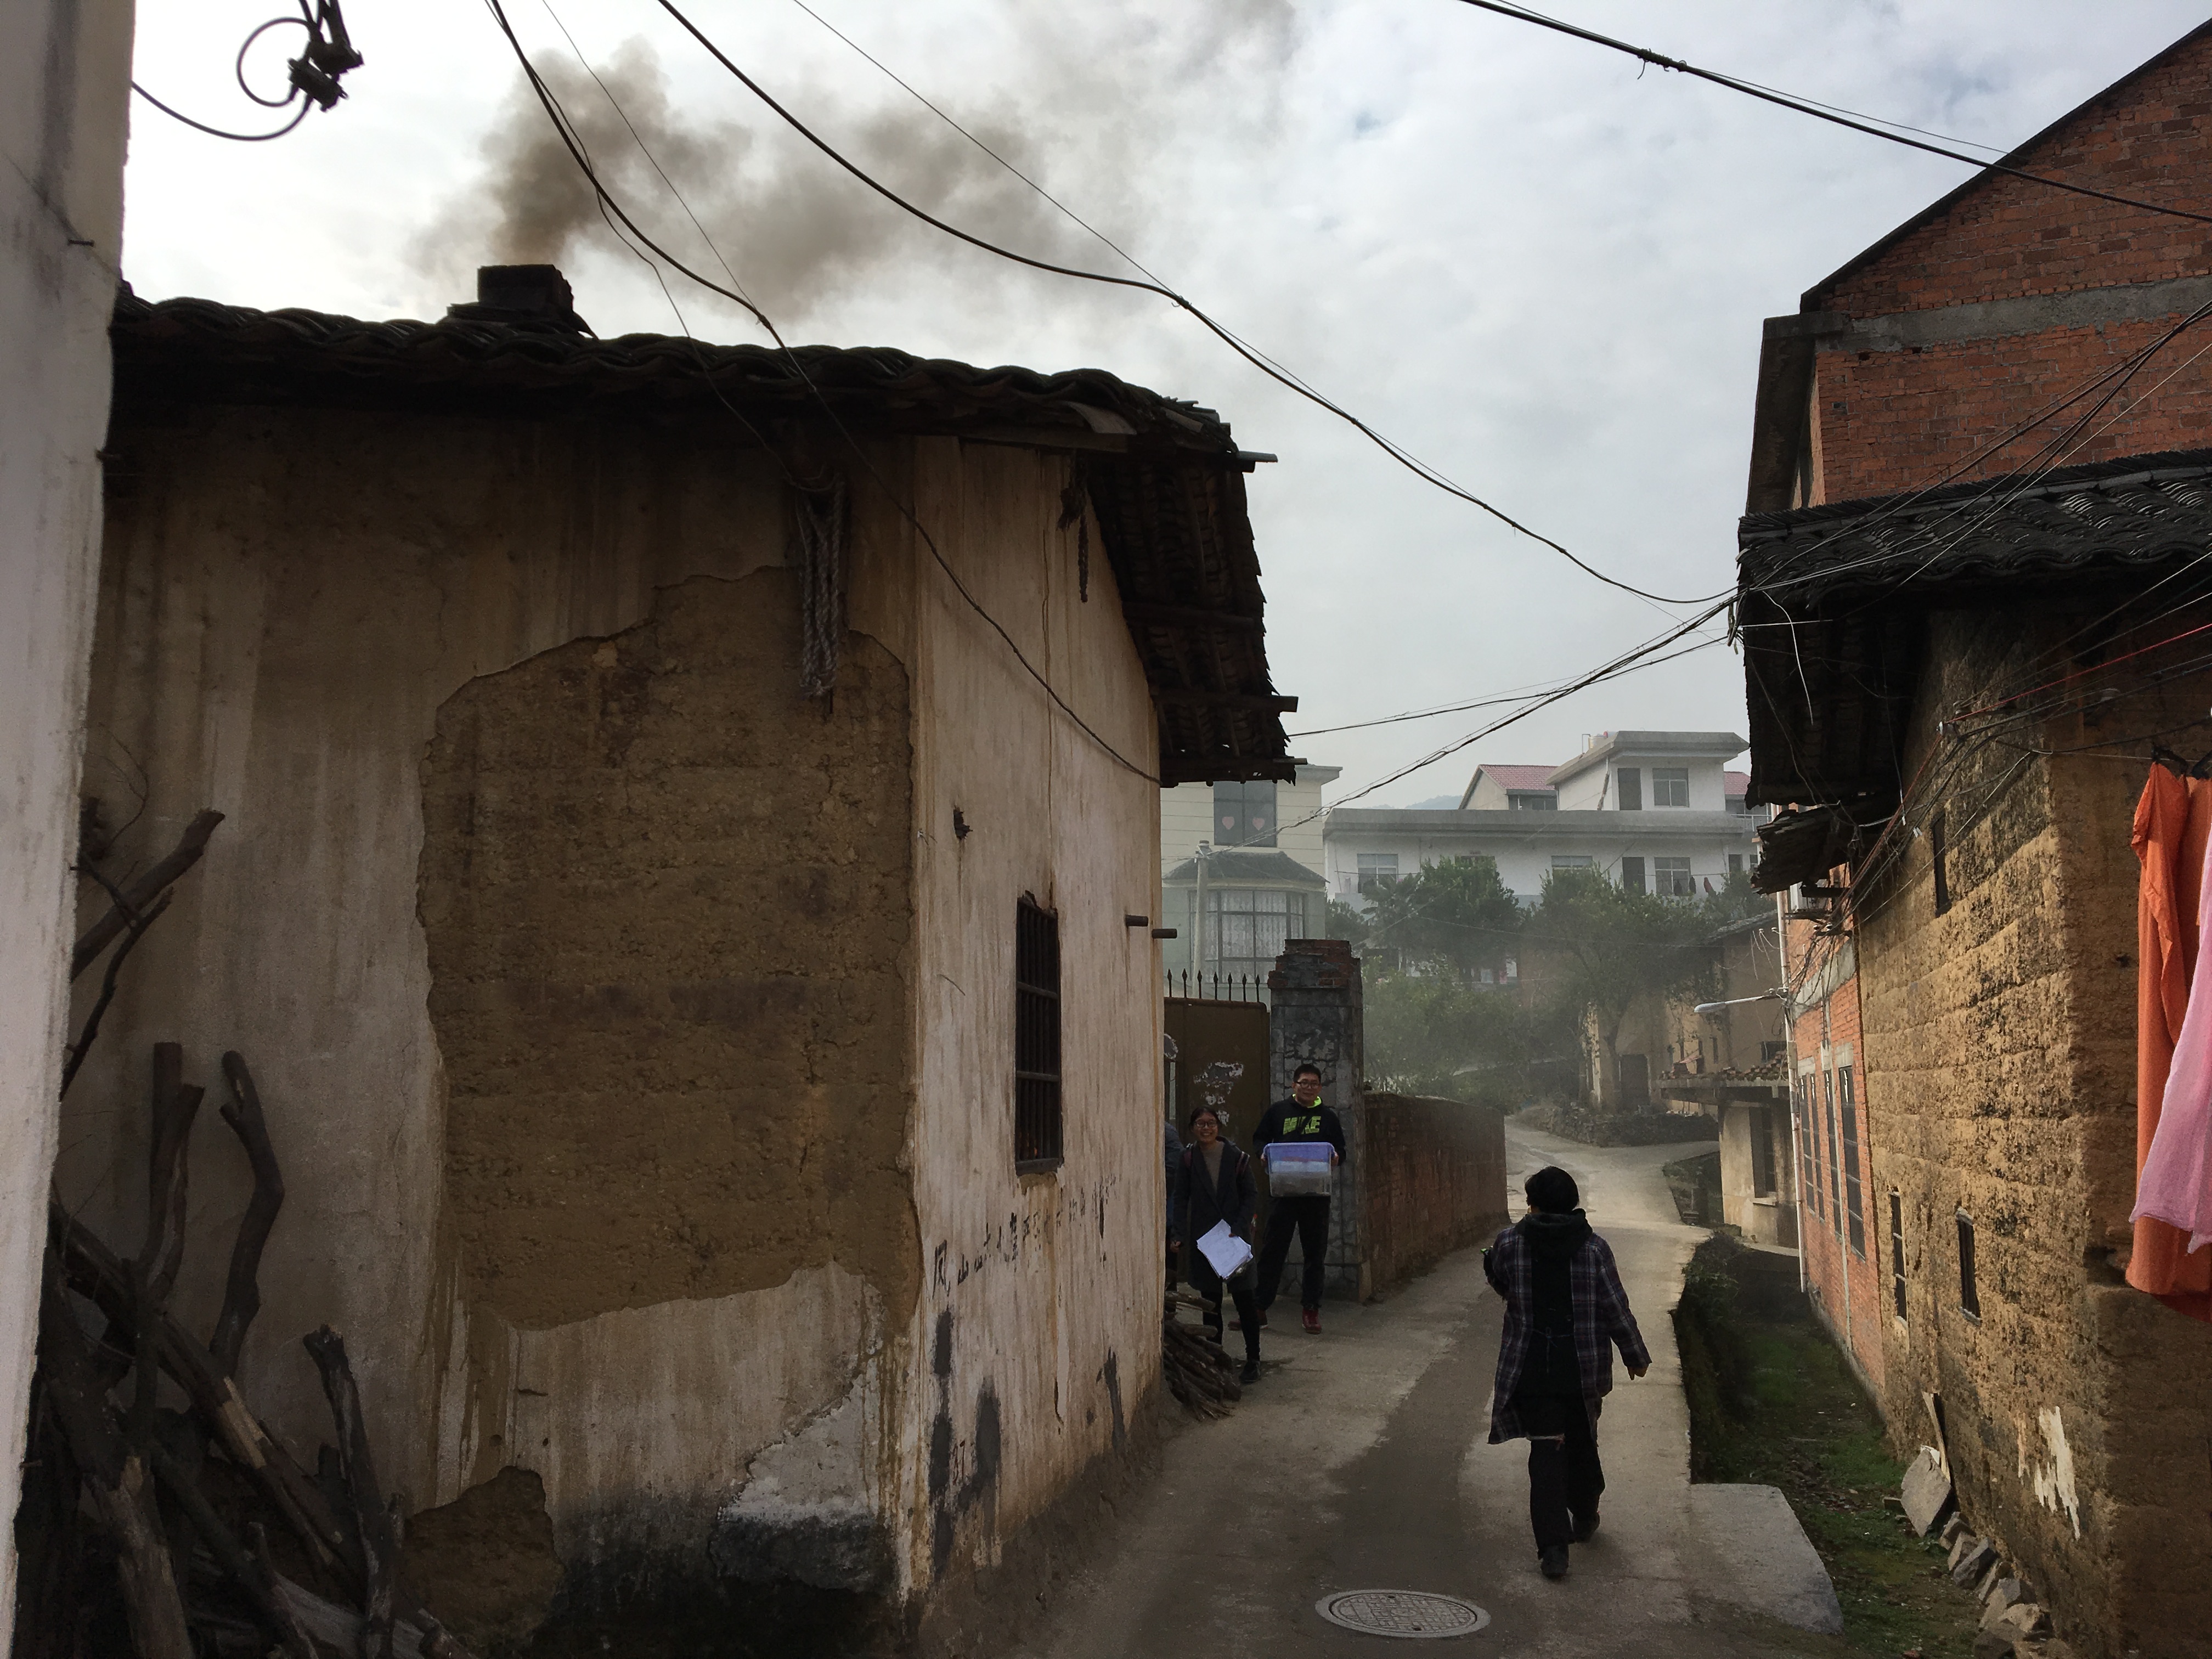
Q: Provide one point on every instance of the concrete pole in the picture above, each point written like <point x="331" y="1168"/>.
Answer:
<point x="65" y="114"/>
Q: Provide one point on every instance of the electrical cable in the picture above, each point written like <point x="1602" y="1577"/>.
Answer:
<point x="571" y="142"/>
<point x="314" y="74"/>
<point x="1490" y="702"/>
<point x="1819" y="112"/>
<point x="1397" y="452"/>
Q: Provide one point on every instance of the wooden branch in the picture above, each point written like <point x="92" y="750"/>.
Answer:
<point x="241" y="1296"/>
<point x="95" y="1271"/>
<point x="379" y="1548"/>
<point x="121" y="1487"/>
<point x="292" y="1634"/>
<point x="137" y="927"/>
<point x="142" y="892"/>
<point x="175" y="1104"/>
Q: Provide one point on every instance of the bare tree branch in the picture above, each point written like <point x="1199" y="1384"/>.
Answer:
<point x="82" y="1045"/>
<point x="379" y="1547"/>
<point x="143" y="891"/>
<point x="241" y="1296"/>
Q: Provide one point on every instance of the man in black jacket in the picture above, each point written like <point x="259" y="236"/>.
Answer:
<point x="1300" y="1118"/>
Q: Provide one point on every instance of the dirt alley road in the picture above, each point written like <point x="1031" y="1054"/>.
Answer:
<point x="1360" y="1461"/>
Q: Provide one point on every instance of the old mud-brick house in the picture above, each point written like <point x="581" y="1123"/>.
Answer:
<point x="692" y="836"/>
<point x="1972" y="584"/>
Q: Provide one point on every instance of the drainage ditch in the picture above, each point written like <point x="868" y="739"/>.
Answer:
<point x="1771" y="1402"/>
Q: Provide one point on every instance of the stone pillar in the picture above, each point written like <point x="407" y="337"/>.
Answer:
<point x="1316" y="993"/>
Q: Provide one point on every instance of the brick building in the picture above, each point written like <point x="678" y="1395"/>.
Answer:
<point x="1969" y="573"/>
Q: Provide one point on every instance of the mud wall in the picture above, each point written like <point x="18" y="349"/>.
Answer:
<point x="666" y="908"/>
<point x="1036" y="1334"/>
<point x="1998" y="1044"/>
<point x="1432" y="1180"/>
<point x="290" y="599"/>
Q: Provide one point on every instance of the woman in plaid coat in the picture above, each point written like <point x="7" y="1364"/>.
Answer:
<point x="1565" y="1313"/>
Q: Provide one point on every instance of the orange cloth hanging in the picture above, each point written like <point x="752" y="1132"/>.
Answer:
<point x="2173" y="820"/>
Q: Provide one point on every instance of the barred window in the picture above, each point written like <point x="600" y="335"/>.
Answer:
<point x="1854" y="1199"/>
<point x="1897" y="1252"/>
<point x="1037" y="1038"/>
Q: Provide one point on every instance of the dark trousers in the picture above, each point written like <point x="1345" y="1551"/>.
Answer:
<point x="1209" y="1284"/>
<point x="1309" y="1218"/>
<point x="1564" y="1476"/>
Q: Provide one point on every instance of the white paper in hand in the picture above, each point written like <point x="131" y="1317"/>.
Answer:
<point x="1223" y="1250"/>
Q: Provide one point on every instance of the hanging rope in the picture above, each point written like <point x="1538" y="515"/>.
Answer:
<point x="822" y="514"/>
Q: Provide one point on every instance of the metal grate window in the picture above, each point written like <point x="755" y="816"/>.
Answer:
<point x="1970" y="1297"/>
<point x="1810" y="1128"/>
<point x="1854" y="1201"/>
<point x="1037" y="1038"/>
<point x="1897" y="1252"/>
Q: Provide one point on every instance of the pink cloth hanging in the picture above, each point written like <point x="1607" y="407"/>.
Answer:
<point x="2171" y="1186"/>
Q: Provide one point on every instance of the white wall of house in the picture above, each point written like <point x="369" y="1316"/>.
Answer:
<point x="1187" y="818"/>
<point x="1524" y="845"/>
<point x="64" y="95"/>
<point x="1592" y="780"/>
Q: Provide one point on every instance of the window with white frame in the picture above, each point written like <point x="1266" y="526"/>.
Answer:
<point x="1571" y="862"/>
<point x="1670" y="878"/>
<point x="1670" y="786"/>
<point x="1376" y="867"/>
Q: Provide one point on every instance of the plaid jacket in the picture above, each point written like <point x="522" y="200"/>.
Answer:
<point x="1602" y="1320"/>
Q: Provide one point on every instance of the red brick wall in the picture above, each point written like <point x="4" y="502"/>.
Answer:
<point x="1889" y="420"/>
<point x="1849" y="1287"/>
<point x="1431" y="1179"/>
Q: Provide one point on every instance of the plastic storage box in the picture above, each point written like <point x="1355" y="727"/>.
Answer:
<point x="1299" y="1168"/>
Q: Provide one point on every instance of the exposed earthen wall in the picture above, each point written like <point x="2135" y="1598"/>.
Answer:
<point x="666" y="904"/>
<point x="290" y="597"/>
<point x="2001" y="1052"/>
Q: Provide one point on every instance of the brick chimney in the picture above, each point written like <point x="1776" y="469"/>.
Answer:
<point x="523" y="296"/>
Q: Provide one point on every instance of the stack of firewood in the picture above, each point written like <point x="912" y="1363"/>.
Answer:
<point x="195" y="1521"/>
<point x="1198" y="1372"/>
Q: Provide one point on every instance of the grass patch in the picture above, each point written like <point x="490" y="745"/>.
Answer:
<point x="1771" y="1402"/>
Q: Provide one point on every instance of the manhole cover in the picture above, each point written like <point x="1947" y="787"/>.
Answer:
<point x="1401" y="1612"/>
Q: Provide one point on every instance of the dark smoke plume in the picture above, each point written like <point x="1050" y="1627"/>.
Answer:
<point x="797" y="232"/>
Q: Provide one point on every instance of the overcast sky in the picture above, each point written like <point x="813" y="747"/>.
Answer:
<point x="1537" y="266"/>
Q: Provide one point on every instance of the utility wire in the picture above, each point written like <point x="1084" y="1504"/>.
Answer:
<point x="1397" y="452"/>
<point x="1819" y="111"/>
<point x="571" y="142"/>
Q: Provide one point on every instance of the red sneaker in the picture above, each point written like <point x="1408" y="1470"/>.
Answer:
<point x="1313" y="1321"/>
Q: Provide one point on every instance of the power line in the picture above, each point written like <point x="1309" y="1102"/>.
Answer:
<point x="312" y="75"/>
<point x="1397" y="452"/>
<point x="572" y="144"/>
<point x="1818" y="112"/>
<point x="1490" y="702"/>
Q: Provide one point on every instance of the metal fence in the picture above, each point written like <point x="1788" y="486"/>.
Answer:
<point x="1218" y="987"/>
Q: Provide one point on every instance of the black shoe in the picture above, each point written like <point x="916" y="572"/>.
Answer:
<point x="1553" y="1561"/>
<point x="1586" y="1528"/>
<point x="1250" y="1373"/>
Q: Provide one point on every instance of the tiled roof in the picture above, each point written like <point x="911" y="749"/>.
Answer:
<point x="1832" y="602"/>
<point x="1734" y="783"/>
<point x="275" y="350"/>
<point x="1165" y="478"/>
<point x="2139" y="510"/>
<point x="1250" y="867"/>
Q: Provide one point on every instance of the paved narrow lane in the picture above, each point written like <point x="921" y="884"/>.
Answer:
<point x="1360" y="1461"/>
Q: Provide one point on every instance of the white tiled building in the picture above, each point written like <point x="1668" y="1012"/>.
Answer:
<point x="1657" y="811"/>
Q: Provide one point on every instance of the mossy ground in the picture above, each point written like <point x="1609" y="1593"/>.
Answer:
<point x="1773" y="1402"/>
